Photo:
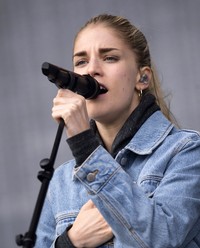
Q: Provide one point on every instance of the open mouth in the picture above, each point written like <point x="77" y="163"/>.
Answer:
<point x="103" y="90"/>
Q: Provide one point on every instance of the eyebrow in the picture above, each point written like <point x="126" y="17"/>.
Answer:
<point x="101" y="51"/>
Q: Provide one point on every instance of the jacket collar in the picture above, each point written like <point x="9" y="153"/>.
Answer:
<point x="150" y="134"/>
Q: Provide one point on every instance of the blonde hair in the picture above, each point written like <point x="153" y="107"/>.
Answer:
<point x="136" y="40"/>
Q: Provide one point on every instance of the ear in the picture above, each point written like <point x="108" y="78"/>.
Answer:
<point x="143" y="78"/>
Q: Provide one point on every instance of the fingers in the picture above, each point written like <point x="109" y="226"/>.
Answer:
<point x="71" y="107"/>
<point x="90" y="229"/>
<point x="88" y="205"/>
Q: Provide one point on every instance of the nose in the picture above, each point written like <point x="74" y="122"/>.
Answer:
<point x="94" y="67"/>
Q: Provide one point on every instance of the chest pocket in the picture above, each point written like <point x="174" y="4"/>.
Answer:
<point x="149" y="184"/>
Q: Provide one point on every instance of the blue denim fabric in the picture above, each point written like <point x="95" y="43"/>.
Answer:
<point x="149" y="194"/>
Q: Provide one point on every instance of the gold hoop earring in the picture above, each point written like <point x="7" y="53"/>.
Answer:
<point x="140" y="93"/>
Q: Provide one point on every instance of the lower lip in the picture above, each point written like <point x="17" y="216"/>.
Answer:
<point x="99" y="96"/>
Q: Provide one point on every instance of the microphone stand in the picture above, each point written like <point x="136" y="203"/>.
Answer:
<point x="28" y="240"/>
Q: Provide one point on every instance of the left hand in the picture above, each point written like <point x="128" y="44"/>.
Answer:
<point x="90" y="229"/>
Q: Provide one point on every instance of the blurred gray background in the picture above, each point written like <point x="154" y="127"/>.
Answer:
<point x="32" y="32"/>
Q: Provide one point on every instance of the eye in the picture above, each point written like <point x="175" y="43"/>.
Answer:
<point x="80" y="62"/>
<point x="111" y="59"/>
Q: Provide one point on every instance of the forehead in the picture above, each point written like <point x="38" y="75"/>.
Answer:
<point x="98" y="35"/>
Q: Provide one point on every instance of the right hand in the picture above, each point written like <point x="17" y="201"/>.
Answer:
<point x="90" y="228"/>
<point x="71" y="107"/>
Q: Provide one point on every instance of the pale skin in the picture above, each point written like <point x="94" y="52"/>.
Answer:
<point x="108" y="59"/>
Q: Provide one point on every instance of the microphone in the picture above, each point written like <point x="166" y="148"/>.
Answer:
<point x="84" y="85"/>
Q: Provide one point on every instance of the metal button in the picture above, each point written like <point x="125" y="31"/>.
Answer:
<point x="91" y="176"/>
<point x="123" y="161"/>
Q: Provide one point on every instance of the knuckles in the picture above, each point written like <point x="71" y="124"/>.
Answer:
<point x="67" y="102"/>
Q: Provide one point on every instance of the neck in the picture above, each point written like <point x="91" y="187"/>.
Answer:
<point x="108" y="134"/>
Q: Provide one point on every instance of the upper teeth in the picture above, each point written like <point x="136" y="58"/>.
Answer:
<point x="102" y="87"/>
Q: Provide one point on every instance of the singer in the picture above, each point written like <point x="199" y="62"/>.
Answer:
<point x="134" y="181"/>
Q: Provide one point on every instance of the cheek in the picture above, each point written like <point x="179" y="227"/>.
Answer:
<point x="128" y="84"/>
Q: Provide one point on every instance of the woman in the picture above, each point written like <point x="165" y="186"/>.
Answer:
<point x="135" y="177"/>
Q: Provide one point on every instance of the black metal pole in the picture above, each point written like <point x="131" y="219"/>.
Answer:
<point x="28" y="240"/>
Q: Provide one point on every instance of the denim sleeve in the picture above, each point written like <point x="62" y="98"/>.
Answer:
<point x="163" y="219"/>
<point x="46" y="228"/>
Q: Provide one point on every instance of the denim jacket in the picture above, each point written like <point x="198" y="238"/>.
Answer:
<point x="149" y="194"/>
